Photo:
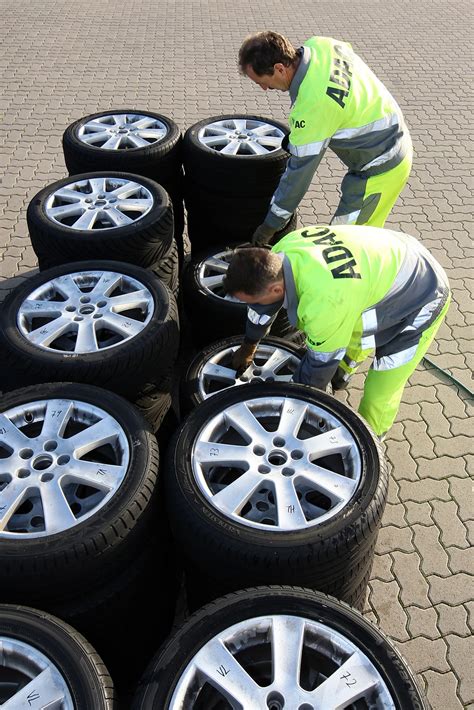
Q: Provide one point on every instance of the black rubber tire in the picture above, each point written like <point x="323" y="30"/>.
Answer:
<point x="212" y="318"/>
<point x="166" y="668"/>
<point x="58" y="566"/>
<point x="238" y="175"/>
<point x="331" y="557"/>
<point x="167" y="269"/>
<point x="160" y="161"/>
<point x="190" y="395"/>
<point x="87" y="678"/>
<point x="142" y="243"/>
<point x="208" y="224"/>
<point x="155" y="400"/>
<point x="122" y="368"/>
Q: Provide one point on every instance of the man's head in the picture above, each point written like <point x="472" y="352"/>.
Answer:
<point x="269" y="60"/>
<point x="255" y="276"/>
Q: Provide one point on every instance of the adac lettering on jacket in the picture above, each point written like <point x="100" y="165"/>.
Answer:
<point x="298" y="124"/>
<point x="340" y="75"/>
<point x="335" y="251"/>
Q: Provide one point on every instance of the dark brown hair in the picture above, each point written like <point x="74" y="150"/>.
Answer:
<point x="263" y="50"/>
<point x="252" y="270"/>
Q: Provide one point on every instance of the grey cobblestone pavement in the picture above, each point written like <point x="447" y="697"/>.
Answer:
<point x="62" y="60"/>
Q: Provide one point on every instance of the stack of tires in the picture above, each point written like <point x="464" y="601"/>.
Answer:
<point x="140" y="142"/>
<point x="233" y="164"/>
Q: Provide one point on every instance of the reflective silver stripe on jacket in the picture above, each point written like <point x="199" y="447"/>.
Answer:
<point x="279" y="211"/>
<point x="256" y="318"/>
<point x="424" y="315"/>
<point x="301" y="151"/>
<point x="380" y="124"/>
<point x="384" y="158"/>
<point x="325" y="357"/>
<point x="369" y="328"/>
<point x="390" y="362"/>
<point x="350" y="218"/>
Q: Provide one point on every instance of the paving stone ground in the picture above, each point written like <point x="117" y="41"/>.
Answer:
<point x="63" y="60"/>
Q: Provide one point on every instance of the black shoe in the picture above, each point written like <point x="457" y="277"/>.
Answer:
<point x="340" y="380"/>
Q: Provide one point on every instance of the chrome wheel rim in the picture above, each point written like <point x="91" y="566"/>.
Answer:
<point x="29" y="679"/>
<point x="211" y="272"/>
<point x="124" y="131"/>
<point x="61" y="461"/>
<point x="276" y="463"/>
<point x="281" y="662"/>
<point x="271" y="363"/>
<point x="241" y="136"/>
<point x="85" y="312"/>
<point x="99" y="203"/>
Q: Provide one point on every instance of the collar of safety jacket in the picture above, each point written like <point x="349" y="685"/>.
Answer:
<point x="290" y="302"/>
<point x="300" y="73"/>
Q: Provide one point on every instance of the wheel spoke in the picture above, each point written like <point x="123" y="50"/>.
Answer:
<point x="86" y="220"/>
<point x="134" y="205"/>
<point x="106" y="284"/>
<point x="128" y="301"/>
<point x="86" y="341"/>
<point x="240" y="124"/>
<point x="123" y="192"/>
<point x="11" y="435"/>
<point x="233" y="497"/>
<point x="257" y="149"/>
<point x="32" y="308"/>
<point x="214" y="140"/>
<point x="222" y="454"/>
<point x="335" y="441"/>
<point x="93" y="138"/>
<point x="157" y="134"/>
<point x="231" y="148"/>
<point x="11" y="497"/>
<point x="97" y="475"/>
<point x="137" y="141"/>
<point x="96" y="126"/>
<point x="287" y="647"/>
<point x="58" y="515"/>
<point x="99" y="434"/>
<point x="244" y="421"/>
<point x="293" y="413"/>
<point x="263" y="130"/>
<point x="98" y="184"/>
<point x="46" y="334"/>
<point x="69" y="210"/>
<point x="67" y="286"/>
<point x="122" y="325"/>
<point x="43" y="691"/>
<point x="217" y="264"/>
<point x="57" y="414"/>
<point x="145" y="122"/>
<point x="211" y="371"/>
<point x="290" y="513"/>
<point x="119" y="218"/>
<point x="351" y="681"/>
<point x="325" y="481"/>
<point x="113" y="142"/>
<point x="211" y="282"/>
<point x="276" y="360"/>
<point x="226" y="674"/>
<point x="272" y="141"/>
<point x="66" y="193"/>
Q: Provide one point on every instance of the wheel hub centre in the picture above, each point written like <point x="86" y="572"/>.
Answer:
<point x="42" y="462"/>
<point x="277" y="458"/>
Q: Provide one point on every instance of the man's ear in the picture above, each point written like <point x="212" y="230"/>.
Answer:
<point x="279" y="68"/>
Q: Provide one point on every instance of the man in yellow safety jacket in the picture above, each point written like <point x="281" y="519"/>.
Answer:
<point x="351" y="290"/>
<point x="336" y="102"/>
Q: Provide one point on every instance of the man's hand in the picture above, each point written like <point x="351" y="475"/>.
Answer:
<point x="243" y="357"/>
<point x="262" y="235"/>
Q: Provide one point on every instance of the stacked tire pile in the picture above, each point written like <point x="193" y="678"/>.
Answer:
<point x="264" y="482"/>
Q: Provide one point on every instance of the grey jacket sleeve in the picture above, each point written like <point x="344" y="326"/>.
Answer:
<point x="317" y="369"/>
<point x="259" y="320"/>
<point x="291" y="189"/>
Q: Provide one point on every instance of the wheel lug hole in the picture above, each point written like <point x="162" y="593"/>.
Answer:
<point x="288" y="471"/>
<point x="46" y="477"/>
<point x="256" y="372"/>
<point x="26" y="453"/>
<point x="97" y="315"/>
<point x="275" y="701"/>
<point x="50" y="445"/>
<point x="23" y="473"/>
<point x="64" y="459"/>
<point x="296" y="454"/>
<point x="85" y="299"/>
<point x="70" y="309"/>
<point x="101" y="304"/>
<point x="259" y="450"/>
<point x="278" y="441"/>
<point x="263" y="469"/>
<point x="78" y="318"/>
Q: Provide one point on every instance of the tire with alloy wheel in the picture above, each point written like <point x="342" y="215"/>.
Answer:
<point x="97" y="322"/>
<point x="127" y="140"/>
<point x="78" y="483"/>
<point x="280" y="484"/>
<point x="213" y="314"/>
<point x="167" y="270"/>
<point x="271" y="648"/>
<point x="45" y="663"/>
<point x="234" y="154"/>
<point x="275" y="360"/>
<point x="104" y="215"/>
